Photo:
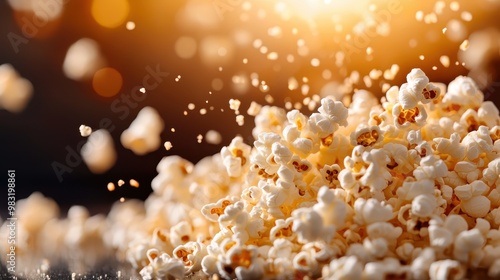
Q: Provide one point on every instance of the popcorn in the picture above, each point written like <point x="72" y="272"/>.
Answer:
<point x="161" y="266"/>
<point x="85" y="131"/>
<point x="99" y="151"/>
<point x="309" y="226"/>
<point x="143" y="134"/>
<point x="15" y="91"/>
<point x="82" y="59"/>
<point x="412" y="92"/>
<point x="343" y="268"/>
<point x="191" y="254"/>
<point x="446" y="269"/>
<point x="371" y="211"/>
<point x="235" y="156"/>
<point x="408" y="187"/>
<point x="366" y="136"/>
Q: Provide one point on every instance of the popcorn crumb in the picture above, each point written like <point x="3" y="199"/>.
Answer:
<point x="234" y="104"/>
<point x="111" y="186"/>
<point x="199" y="138"/>
<point x="240" y="119"/>
<point x="168" y="145"/>
<point x="121" y="183"/>
<point x="134" y="183"/>
<point x="122" y="199"/>
<point x="85" y="130"/>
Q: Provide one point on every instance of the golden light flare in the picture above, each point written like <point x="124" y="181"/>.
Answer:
<point x="107" y="82"/>
<point x="110" y="13"/>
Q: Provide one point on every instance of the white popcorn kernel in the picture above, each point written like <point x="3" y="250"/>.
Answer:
<point x="421" y="264"/>
<point x="212" y="211"/>
<point x="411" y="93"/>
<point x="305" y="262"/>
<point x="376" y="176"/>
<point x="282" y="230"/>
<point x="384" y="230"/>
<point x="430" y="93"/>
<point x="181" y="233"/>
<point x="430" y="168"/>
<point x="234" y="104"/>
<point x="332" y="209"/>
<point x="450" y="146"/>
<point x="242" y="263"/>
<point x="254" y="109"/>
<point x="488" y="114"/>
<point x="309" y="226"/>
<point x="82" y="60"/>
<point x="440" y="237"/>
<point x="162" y="266"/>
<point x="85" y="130"/>
<point x="334" y="110"/>
<point x="240" y="120"/>
<point x="376" y="247"/>
<point x="469" y="241"/>
<point x="191" y="254"/>
<point x="15" y="91"/>
<point x="371" y="211"/>
<point x="235" y="156"/>
<point x="343" y="268"/>
<point x="143" y="134"/>
<point x="446" y="269"/>
<point x="494" y="270"/>
<point x="388" y="267"/>
<point x="423" y="205"/>
<point x="99" y="151"/>
<point x="476" y="207"/>
<point x="463" y="91"/>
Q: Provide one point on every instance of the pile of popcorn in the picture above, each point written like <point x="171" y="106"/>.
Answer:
<point x="406" y="188"/>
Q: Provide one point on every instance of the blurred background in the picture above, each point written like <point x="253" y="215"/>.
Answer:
<point x="204" y="53"/>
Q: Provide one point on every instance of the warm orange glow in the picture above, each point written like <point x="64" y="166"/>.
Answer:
<point x="110" y="13"/>
<point x="107" y="82"/>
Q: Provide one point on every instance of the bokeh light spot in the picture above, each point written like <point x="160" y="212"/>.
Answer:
<point x="185" y="47"/>
<point x="110" y="13"/>
<point x="107" y="82"/>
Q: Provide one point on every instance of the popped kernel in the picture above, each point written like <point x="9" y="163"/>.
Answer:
<point x="405" y="187"/>
<point x="134" y="183"/>
<point x="85" y="130"/>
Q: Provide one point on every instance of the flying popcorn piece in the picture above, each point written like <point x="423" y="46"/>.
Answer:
<point x="134" y="183"/>
<point x="83" y="59"/>
<point x="143" y="134"/>
<point x="213" y="137"/>
<point x="85" y="131"/>
<point x="111" y="186"/>
<point x="15" y="91"/>
<point x="167" y="145"/>
<point x="99" y="152"/>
